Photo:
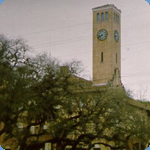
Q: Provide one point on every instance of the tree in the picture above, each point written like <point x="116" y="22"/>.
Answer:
<point x="97" y="116"/>
<point x="13" y="82"/>
<point x="38" y="92"/>
<point x="78" y="114"/>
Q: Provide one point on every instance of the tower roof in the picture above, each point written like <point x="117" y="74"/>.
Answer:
<point x="106" y="7"/>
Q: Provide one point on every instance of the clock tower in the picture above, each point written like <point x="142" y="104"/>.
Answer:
<point x="106" y="45"/>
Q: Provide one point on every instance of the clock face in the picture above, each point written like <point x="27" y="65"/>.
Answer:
<point x="116" y="35"/>
<point x="102" y="34"/>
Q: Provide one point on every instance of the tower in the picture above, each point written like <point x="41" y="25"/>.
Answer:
<point x="106" y="45"/>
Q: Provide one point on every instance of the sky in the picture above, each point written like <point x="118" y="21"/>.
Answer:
<point x="1" y="1"/>
<point x="148" y="148"/>
<point x="63" y="29"/>
<point x="1" y="148"/>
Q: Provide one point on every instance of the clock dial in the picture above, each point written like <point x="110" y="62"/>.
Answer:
<point x="102" y="34"/>
<point x="116" y="35"/>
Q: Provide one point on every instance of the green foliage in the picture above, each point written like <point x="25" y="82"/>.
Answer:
<point x="38" y="91"/>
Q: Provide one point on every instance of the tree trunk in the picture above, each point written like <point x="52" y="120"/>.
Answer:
<point x="74" y="146"/>
<point x="23" y="146"/>
<point x="59" y="146"/>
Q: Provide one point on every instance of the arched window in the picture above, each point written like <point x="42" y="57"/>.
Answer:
<point x="106" y="15"/>
<point x="116" y="18"/>
<point x="97" y="17"/>
<point x="102" y="16"/>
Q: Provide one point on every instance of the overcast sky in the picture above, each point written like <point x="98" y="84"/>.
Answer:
<point x="63" y="29"/>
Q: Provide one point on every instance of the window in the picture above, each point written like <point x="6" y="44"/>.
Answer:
<point x="47" y="146"/>
<point x="102" y="57"/>
<point x="116" y="18"/>
<point x="97" y="147"/>
<point x="20" y="126"/>
<point x="32" y="129"/>
<point x="35" y="129"/>
<point x="106" y="15"/>
<point x="97" y="17"/>
<point x="45" y="127"/>
<point x="102" y="16"/>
